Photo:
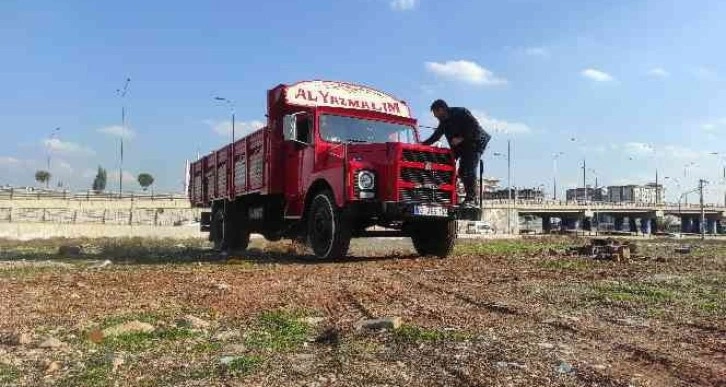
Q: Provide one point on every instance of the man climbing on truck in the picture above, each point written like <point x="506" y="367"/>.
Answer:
<point x="467" y="140"/>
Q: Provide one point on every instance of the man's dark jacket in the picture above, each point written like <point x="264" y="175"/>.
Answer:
<point x="461" y="123"/>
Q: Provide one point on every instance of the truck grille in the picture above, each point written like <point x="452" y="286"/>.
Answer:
<point x="422" y="176"/>
<point x="425" y="195"/>
<point x="422" y="157"/>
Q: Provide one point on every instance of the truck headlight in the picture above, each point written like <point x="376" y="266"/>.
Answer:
<point x="366" y="180"/>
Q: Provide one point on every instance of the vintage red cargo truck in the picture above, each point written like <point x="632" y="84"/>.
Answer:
<point x="333" y="160"/>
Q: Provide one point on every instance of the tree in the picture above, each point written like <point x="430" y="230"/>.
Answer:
<point x="99" y="183"/>
<point x="42" y="177"/>
<point x="145" y="180"/>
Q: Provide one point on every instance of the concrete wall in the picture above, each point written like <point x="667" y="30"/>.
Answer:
<point x="28" y="231"/>
<point x="497" y="218"/>
<point x="94" y="203"/>
<point x="163" y="212"/>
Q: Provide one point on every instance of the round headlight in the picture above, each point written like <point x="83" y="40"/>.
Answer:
<point x="366" y="180"/>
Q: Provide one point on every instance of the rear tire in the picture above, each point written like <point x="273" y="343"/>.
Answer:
<point x="217" y="228"/>
<point x="328" y="231"/>
<point x="229" y="231"/>
<point x="434" y="237"/>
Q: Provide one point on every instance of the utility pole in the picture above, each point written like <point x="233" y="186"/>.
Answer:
<point x="657" y="191"/>
<point x="584" y="179"/>
<point x="122" y="94"/>
<point x="49" y="146"/>
<point x="554" y="174"/>
<point x="509" y="183"/>
<point x="703" y="214"/>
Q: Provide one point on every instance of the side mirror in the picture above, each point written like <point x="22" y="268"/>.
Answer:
<point x="289" y="127"/>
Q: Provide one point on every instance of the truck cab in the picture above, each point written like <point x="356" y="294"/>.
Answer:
<point x="334" y="160"/>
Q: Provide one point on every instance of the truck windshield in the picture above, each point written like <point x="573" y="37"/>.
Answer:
<point x="350" y="129"/>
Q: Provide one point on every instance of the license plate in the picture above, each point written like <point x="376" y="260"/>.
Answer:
<point x="430" y="211"/>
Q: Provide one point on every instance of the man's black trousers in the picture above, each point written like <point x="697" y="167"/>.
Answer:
<point x="468" y="163"/>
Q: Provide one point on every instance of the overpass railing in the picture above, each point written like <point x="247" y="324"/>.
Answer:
<point x="88" y="195"/>
<point x="593" y="205"/>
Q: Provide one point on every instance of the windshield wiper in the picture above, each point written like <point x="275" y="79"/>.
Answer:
<point x="356" y="140"/>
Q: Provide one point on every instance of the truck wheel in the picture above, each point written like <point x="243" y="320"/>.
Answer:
<point x="227" y="234"/>
<point x="434" y="238"/>
<point x="328" y="232"/>
<point x="217" y="228"/>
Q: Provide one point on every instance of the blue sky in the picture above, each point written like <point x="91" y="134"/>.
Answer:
<point x="639" y="85"/>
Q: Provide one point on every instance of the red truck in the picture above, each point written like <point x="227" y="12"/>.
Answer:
<point x="333" y="160"/>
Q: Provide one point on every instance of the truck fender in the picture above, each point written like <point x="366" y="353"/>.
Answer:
<point x="317" y="186"/>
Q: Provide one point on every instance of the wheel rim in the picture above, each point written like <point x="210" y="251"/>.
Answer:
<point x="322" y="229"/>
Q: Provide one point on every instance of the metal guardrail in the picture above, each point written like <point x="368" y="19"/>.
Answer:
<point x="545" y="204"/>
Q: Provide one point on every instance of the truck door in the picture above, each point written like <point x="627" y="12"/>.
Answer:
<point x="299" y="160"/>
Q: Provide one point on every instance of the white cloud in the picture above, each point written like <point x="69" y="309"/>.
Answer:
<point x="241" y="128"/>
<point x="118" y="131"/>
<point x="61" y="165"/>
<point x="493" y="125"/>
<point x="537" y="51"/>
<point x="597" y="75"/>
<point x="66" y="147"/>
<point x="464" y="71"/>
<point x="714" y="125"/>
<point x="112" y="177"/>
<point x="658" y="72"/>
<point x="683" y="153"/>
<point x="8" y="161"/>
<point x="403" y="5"/>
<point x="705" y="73"/>
<point x="637" y="149"/>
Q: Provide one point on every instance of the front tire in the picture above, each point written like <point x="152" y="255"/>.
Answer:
<point x="434" y="238"/>
<point x="328" y="232"/>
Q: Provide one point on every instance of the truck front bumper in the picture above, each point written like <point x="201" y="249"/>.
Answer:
<point x="430" y="211"/>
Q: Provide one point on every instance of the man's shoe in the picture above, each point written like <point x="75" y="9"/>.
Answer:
<point x="468" y="204"/>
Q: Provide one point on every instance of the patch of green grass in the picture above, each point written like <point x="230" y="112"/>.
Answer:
<point x="142" y="341"/>
<point x="92" y="373"/>
<point x="634" y="292"/>
<point x="416" y="334"/>
<point x="243" y="365"/>
<point x="147" y="317"/>
<point x="206" y="346"/>
<point x="277" y="331"/>
<point x="8" y="374"/>
<point x="509" y="247"/>
<point x="564" y="264"/>
<point x="700" y="295"/>
<point x="27" y="272"/>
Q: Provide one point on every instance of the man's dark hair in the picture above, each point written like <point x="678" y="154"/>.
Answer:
<point x="439" y="103"/>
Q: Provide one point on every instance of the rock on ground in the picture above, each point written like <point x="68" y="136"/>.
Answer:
<point x="381" y="323"/>
<point x="227" y="335"/>
<point x="128" y="327"/>
<point x="195" y="322"/>
<point x="51" y="366"/>
<point x="51" y="342"/>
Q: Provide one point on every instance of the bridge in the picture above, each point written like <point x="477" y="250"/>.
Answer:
<point x="620" y="216"/>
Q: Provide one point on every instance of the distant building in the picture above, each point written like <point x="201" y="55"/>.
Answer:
<point x="632" y="193"/>
<point x="518" y="193"/>
<point x="587" y="193"/>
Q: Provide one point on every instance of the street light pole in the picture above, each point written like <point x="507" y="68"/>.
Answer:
<point x="231" y="106"/>
<point x="122" y="94"/>
<point x="703" y="214"/>
<point x="554" y="174"/>
<point x="48" y="150"/>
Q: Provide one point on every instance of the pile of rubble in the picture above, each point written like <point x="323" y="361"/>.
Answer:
<point x="605" y="248"/>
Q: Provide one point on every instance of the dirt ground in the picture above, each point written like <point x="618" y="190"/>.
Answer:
<point x="497" y="313"/>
